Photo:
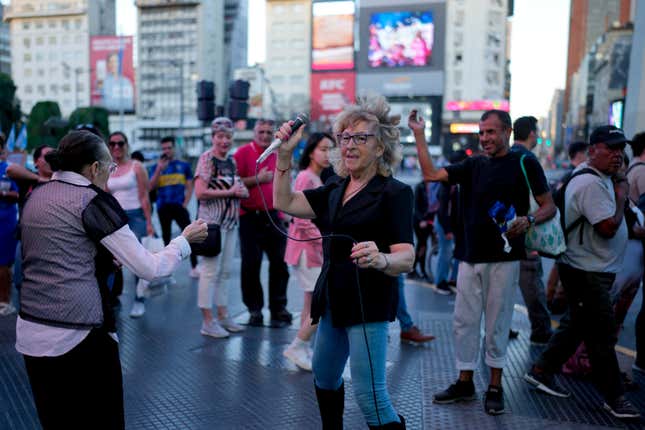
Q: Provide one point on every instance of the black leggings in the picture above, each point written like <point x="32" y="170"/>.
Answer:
<point x="178" y="213"/>
<point x="81" y="389"/>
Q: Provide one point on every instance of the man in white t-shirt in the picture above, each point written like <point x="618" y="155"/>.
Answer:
<point x="595" y="204"/>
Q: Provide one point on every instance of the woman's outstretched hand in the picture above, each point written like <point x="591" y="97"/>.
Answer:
<point x="196" y="231"/>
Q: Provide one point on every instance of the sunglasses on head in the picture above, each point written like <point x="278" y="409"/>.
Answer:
<point x="120" y="143"/>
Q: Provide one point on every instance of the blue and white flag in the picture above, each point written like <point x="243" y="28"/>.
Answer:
<point x="21" y="141"/>
<point x="11" y="140"/>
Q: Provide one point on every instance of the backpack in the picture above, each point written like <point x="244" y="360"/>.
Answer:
<point x="641" y="199"/>
<point x="559" y="202"/>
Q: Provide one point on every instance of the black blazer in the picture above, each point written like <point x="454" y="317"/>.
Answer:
<point x="380" y="212"/>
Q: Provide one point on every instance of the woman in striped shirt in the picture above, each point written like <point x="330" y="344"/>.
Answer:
<point x="218" y="189"/>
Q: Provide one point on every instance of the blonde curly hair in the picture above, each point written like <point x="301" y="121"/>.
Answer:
<point x="374" y="110"/>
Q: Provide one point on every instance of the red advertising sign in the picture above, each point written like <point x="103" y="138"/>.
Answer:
<point x="330" y="93"/>
<point x="112" y="73"/>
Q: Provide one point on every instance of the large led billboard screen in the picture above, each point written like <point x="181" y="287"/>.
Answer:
<point x="332" y="35"/>
<point x="400" y="39"/>
<point x="112" y="73"/>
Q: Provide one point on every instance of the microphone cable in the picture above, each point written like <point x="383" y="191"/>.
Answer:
<point x="358" y="284"/>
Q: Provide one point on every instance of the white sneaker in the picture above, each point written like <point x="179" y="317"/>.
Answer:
<point x="298" y="356"/>
<point x="214" y="329"/>
<point x="6" y="309"/>
<point x="138" y="309"/>
<point x="230" y="325"/>
<point x="194" y="273"/>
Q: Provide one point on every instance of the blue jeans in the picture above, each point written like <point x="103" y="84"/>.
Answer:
<point x="405" y="320"/>
<point x="332" y="348"/>
<point x="137" y="223"/>
<point x="444" y="256"/>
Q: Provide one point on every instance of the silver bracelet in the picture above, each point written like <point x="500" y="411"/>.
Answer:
<point x="387" y="262"/>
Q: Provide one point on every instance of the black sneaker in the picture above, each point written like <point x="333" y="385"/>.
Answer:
<point x="255" y="319"/>
<point x="442" y="288"/>
<point x="621" y="408"/>
<point x="458" y="392"/>
<point x="540" y="339"/>
<point x="546" y="383"/>
<point x="494" y="400"/>
<point x="281" y="318"/>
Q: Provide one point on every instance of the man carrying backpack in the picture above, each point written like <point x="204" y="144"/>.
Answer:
<point x="594" y="225"/>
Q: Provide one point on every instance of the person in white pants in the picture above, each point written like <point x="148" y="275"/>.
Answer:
<point x="218" y="190"/>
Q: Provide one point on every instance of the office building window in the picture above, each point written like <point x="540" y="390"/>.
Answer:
<point x="28" y="89"/>
<point x="26" y="42"/>
<point x="52" y="40"/>
<point x="52" y="23"/>
<point x="26" y="57"/>
<point x="40" y="41"/>
<point x="26" y="25"/>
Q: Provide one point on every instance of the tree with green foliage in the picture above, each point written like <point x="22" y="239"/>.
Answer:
<point x="97" y="116"/>
<point x="9" y="104"/>
<point x="45" y="126"/>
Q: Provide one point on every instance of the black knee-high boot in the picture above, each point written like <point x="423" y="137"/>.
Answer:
<point x="391" y="426"/>
<point x="331" y="404"/>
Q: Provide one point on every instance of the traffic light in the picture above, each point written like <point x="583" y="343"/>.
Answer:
<point x="238" y="104"/>
<point x="205" y="101"/>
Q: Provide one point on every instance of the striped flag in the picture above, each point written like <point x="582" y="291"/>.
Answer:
<point x="11" y="140"/>
<point x="21" y="141"/>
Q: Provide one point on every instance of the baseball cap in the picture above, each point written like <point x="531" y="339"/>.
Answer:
<point x="609" y="135"/>
<point x="222" y="123"/>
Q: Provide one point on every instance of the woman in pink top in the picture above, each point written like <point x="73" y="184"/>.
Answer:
<point x="305" y="258"/>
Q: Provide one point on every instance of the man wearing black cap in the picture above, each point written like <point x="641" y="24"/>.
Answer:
<point x="594" y="202"/>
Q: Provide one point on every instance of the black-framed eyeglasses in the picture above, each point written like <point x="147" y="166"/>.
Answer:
<point x="358" y="138"/>
<point x="120" y="143"/>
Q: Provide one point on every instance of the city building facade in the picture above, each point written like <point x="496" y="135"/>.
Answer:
<point x="588" y="20"/>
<point x="181" y="42"/>
<point x="5" y="48"/>
<point x="288" y="51"/>
<point x="50" y="48"/>
<point x="477" y="76"/>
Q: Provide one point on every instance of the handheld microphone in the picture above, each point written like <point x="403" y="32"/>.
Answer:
<point x="300" y="120"/>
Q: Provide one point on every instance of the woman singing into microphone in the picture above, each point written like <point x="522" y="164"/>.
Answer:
<point x="356" y="294"/>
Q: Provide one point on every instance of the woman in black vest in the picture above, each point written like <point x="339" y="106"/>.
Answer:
<point x="356" y="295"/>
<point x="72" y="231"/>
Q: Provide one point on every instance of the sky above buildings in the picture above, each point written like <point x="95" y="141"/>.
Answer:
<point x="538" y="48"/>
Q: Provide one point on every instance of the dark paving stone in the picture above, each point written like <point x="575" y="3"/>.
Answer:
<point x="175" y="378"/>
